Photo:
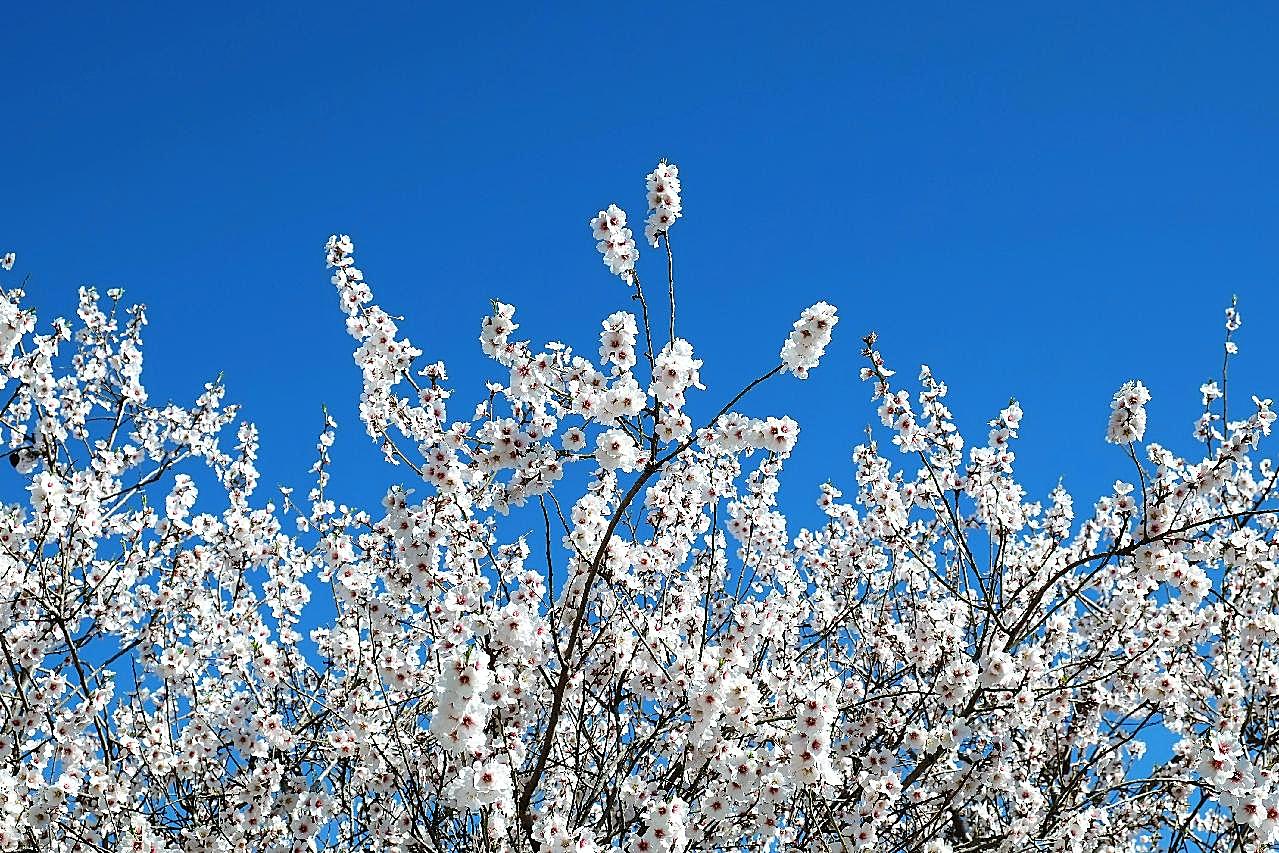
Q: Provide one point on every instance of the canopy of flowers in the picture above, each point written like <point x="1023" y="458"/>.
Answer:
<point x="663" y="663"/>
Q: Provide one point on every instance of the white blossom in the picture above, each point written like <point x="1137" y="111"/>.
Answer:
<point x="664" y="203"/>
<point x="809" y="338"/>
<point x="584" y="612"/>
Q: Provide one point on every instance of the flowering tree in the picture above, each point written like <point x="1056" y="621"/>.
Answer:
<point x="662" y="664"/>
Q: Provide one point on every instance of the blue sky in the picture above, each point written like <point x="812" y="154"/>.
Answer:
<point x="1039" y="203"/>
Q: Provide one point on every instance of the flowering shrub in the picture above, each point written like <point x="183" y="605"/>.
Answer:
<point x="662" y="664"/>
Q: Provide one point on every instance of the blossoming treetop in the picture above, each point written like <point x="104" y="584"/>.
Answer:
<point x="663" y="664"/>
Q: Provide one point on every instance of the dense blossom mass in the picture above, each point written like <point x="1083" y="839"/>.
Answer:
<point x="579" y="619"/>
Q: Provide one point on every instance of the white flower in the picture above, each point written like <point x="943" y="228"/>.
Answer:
<point x="672" y="426"/>
<point x="778" y="434"/>
<point x="492" y="781"/>
<point x="573" y="439"/>
<point x="999" y="671"/>
<point x="615" y="449"/>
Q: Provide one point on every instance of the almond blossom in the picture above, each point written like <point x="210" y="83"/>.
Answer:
<point x="580" y="619"/>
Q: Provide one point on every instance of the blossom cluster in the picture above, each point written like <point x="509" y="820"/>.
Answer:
<point x="1128" y="414"/>
<point x="664" y="204"/>
<point x="674" y="372"/>
<point x="808" y="341"/>
<point x="615" y="241"/>
<point x="581" y="617"/>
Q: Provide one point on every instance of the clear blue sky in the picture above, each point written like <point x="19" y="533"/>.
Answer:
<point x="1039" y="203"/>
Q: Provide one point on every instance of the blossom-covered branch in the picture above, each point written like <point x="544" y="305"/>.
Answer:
<point x="580" y="620"/>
